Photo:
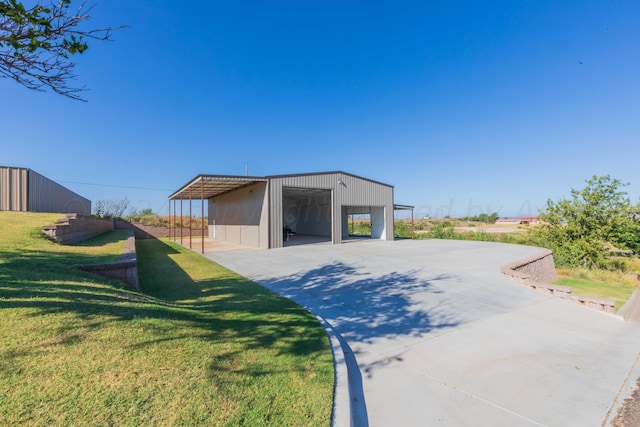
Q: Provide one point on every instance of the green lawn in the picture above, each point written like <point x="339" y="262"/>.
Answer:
<point x="594" y="288"/>
<point x="200" y="346"/>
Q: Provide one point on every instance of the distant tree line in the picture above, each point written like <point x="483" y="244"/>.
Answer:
<point x="483" y="217"/>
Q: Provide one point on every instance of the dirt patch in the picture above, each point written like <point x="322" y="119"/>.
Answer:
<point x="493" y="228"/>
<point x="629" y="412"/>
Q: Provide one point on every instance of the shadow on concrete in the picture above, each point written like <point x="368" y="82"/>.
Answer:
<point x="361" y="307"/>
<point x="364" y="306"/>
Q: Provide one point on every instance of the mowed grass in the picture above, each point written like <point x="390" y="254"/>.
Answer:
<point x="200" y="346"/>
<point x="599" y="284"/>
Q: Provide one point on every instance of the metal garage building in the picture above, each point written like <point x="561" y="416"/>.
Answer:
<point x="261" y="211"/>
<point x="25" y="190"/>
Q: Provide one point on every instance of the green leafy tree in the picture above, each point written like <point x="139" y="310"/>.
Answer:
<point x="582" y="230"/>
<point x="37" y="42"/>
<point x="630" y="239"/>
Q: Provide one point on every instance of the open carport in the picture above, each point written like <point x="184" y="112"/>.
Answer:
<point x="430" y="333"/>
<point x="267" y="212"/>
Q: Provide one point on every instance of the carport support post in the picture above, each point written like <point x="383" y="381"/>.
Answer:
<point x="181" y="219"/>
<point x="173" y="223"/>
<point x="190" y="217"/>
<point x="202" y="215"/>
<point x="169" y="218"/>
<point x="412" y="225"/>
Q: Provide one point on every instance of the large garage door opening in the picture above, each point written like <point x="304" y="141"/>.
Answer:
<point x="306" y="216"/>
<point x="358" y="221"/>
<point x="362" y="222"/>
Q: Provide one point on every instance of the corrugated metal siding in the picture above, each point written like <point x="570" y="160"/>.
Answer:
<point x="347" y="190"/>
<point x="264" y="220"/>
<point x="22" y="189"/>
<point x="275" y="213"/>
<point x="239" y="207"/>
<point x="240" y="216"/>
<point x="46" y="195"/>
<point x="13" y="189"/>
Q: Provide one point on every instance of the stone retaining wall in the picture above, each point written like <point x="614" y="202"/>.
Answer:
<point x="74" y="228"/>
<point x="125" y="270"/>
<point x="143" y="231"/>
<point x="539" y="271"/>
<point x="536" y="269"/>
<point x="631" y="309"/>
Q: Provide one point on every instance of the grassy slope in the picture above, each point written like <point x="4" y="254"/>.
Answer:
<point x="598" y="289"/>
<point x="207" y="347"/>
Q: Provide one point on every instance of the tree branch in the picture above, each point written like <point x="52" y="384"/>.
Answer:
<point x="36" y="44"/>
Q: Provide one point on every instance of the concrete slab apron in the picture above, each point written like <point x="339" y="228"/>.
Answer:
<point x="442" y="338"/>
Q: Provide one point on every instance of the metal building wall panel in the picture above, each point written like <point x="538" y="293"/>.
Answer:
<point x="239" y="207"/>
<point x="312" y="219"/>
<point x="46" y="195"/>
<point x="14" y="189"/>
<point x="275" y="213"/>
<point x="240" y="216"/>
<point x="264" y="219"/>
<point x="346" y="190"/>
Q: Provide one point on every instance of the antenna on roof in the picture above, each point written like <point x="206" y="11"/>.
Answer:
<point x="246" y="169"/>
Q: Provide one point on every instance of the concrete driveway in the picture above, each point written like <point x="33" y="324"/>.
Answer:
<point x="430" y="333"/>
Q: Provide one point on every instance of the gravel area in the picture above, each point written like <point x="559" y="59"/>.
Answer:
<point x="629" y="412"/>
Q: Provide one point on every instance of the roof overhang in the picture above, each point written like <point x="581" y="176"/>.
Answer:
<point x="208" y="186"/>
<point x="403" y="207"/>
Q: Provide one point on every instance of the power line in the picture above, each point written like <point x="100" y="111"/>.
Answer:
<point x="114" y="186"/>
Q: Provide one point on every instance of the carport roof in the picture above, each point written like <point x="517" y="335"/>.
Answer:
<point x="214" y="185"/>
<point x="207" y="186"/>
<point x="403" y="207"/>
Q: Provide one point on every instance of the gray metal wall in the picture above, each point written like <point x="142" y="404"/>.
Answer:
<point x="310" y="216"/>
<point x="240" y="216"/>
<point x="346" y="190"/>
<point x="13" y="189"/>
<point x="49" y="196"/>
<point x="23" y="189"/>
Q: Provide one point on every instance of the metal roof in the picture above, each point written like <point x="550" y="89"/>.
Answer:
<point x="329" y="173"/>
<point x="403" y="207"/>
<point x="213" y="185"/>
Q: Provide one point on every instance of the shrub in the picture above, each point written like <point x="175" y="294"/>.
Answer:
<point x="582" y="230"/>
<point x="401" y="229"/>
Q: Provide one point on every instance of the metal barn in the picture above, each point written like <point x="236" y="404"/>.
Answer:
<point x="25" y="190"/>
<point x="265" y="212"/>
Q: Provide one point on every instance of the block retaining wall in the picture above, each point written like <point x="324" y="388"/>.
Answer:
<point x="125" y="270"/>
<point x="539" y="270"/>
<point x="143" y="231"/>
<point x="631" y="309"/>
<point x="74" y="228"/>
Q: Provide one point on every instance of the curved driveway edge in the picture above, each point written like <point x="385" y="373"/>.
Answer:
<point x="441" y="337"/>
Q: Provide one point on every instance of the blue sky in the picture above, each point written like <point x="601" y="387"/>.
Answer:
<point x="464" y="106"/>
